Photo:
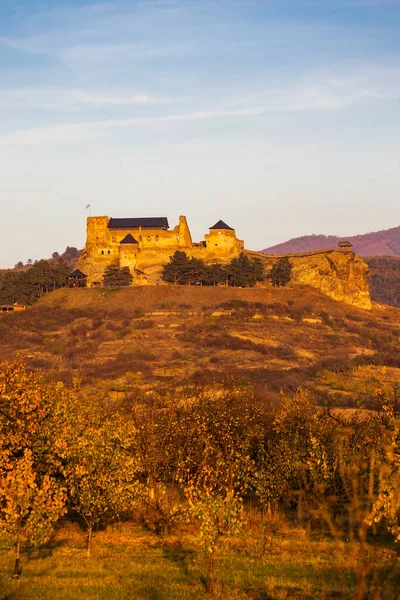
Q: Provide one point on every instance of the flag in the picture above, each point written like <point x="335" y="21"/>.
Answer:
<point x="87" y="206"/>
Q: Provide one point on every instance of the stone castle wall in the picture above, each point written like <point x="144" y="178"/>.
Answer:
<point x="153" y="250"/>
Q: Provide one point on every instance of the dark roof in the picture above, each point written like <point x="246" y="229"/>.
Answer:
<point x="145" y="223"/>
<point x="129" y="239"/>
<point x="77" y="273"/>
<point x="221" y="225"/>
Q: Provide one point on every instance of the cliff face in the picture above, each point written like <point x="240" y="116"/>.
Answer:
<point x="341" y="275"/>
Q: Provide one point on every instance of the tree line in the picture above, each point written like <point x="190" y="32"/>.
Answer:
<point x="27" y="286"/>
<point x="241" y="271"/>
<point x="197" y="455"/>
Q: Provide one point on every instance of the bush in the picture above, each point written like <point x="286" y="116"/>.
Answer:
<point x="143" y="324"/>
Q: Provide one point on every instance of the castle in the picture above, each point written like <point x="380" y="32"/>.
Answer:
<point x="144" y="245"/>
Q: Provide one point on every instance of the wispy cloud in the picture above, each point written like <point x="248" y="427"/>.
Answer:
<point x="121" y="100"/>
<point x="57" y="99"/>
<point x="329" y="95"/>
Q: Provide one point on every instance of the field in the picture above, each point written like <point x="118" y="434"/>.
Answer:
<point x="131" y="562"/>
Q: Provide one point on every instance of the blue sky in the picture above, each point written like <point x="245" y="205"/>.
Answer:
<point x="282" y="117"/>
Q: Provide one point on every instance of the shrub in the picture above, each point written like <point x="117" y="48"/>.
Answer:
<point x="143" y="324"/>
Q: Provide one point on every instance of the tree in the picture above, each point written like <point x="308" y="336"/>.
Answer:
<point x="217" y="468"/>
<point x="244" y="272"/>
<point x="29" y="509"/>
<point x="217" y="274"/>
<point x="281" y="272"/>
<point x="34" y="416"/>
<point x="28" y="286"/>
<point x="175" y="271"/>
<point x="100" y="473"/>
<point x="70" y="254"/>
<point x="160" y="436"/>
<point x="115" y="277"/>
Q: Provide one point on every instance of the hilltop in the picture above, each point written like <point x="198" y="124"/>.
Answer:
<point x="134" y="339"/>
<point x="377" y="243"/>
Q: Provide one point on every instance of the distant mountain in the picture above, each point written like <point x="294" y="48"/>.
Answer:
<point x="377" y="243"/>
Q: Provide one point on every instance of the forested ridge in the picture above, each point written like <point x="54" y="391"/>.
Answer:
<point x="384" y="279"/>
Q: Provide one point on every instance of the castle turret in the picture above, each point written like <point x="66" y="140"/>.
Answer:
<point x="222" y="240"/>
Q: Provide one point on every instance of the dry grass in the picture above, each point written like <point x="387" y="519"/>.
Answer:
<point x="141" y="336"/>
<point x="129" y="562"/>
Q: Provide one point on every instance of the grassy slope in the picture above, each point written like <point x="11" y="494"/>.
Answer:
<point x="139" y="338"/>
<point x="142" y="337"/>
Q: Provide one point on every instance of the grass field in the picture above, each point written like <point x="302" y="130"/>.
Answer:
<point x="129" y="562"/>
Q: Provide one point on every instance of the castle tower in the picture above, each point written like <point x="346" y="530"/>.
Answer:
<point x="222" y="240"/>
<point x="96" y="235"/>
<point x="128" y="249"/>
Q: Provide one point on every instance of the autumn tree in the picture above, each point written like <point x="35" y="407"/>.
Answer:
<point x="30" y="505"/>
<point x="216" y="469"/>
<point x="99" y="472"/>
<point x="35" y="415"/>
<point x="161" y="435"/>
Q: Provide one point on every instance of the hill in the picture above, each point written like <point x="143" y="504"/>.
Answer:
<point x="378" y="243"/>
<point x="384" y="279"/>
<point x="135" y="339"/>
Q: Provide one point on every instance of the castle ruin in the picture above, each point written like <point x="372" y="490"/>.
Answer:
<point x="144" y="245"/>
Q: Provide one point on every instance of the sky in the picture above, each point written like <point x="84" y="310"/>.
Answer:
<point x="281" y="117"/>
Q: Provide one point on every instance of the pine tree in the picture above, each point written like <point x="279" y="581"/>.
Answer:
<point x="281" y="272"/>
<point x="115" y="277"/>
<point x="176" y="271"/>
<point x="244" y="272"/>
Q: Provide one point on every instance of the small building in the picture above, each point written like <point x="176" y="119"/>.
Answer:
<point x="77" y="279"/>
<point x="345" y="244"/>
<point x="7" y="308"/>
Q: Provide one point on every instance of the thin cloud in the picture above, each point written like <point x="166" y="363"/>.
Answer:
<point x="53" y="99"/>
<point x="76" y="132"/>
<point x="123" y="100"/>
<point x="319" y="91"/>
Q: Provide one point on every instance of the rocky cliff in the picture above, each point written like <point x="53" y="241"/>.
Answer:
<point x="339" y="274"/>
